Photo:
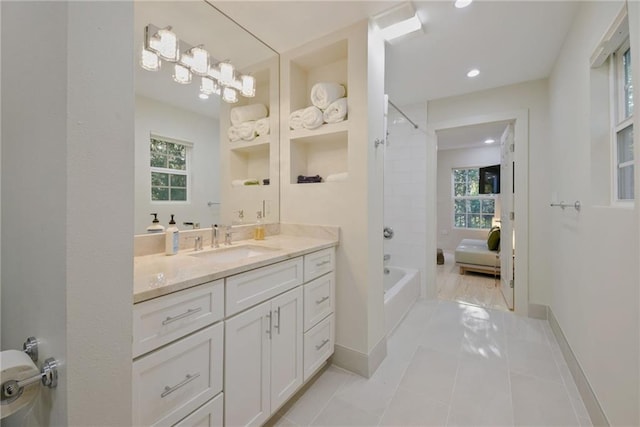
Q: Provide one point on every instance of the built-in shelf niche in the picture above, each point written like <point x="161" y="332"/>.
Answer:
<point x="323" y="153"/>
<point x="250" y="161"/>
<point x="327" y="64"/>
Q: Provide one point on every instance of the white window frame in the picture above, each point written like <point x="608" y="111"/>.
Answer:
<point x="478" y="197"/>
<point x="619" y="120"/>
<point x="186" y="172"/>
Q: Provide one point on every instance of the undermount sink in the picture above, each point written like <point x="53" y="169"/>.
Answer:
<point x="233" y="254"/>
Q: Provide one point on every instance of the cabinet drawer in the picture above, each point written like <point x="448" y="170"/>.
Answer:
<point x="318" y="346"/>
<point x="319" y="299"/>
<point x="247" y="289"/>
<point x="208" y="415"/>
<point x="175" y="380"/>
<point x="318" y="263"/>
<point x="165" y="319"/>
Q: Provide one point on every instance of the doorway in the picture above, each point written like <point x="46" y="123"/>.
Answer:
<point x="513" y="280"/>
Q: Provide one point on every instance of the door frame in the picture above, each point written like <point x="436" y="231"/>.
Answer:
<point x="520" y="119"/>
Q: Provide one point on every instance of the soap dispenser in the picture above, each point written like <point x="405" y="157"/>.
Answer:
<point x="258" y="231"/>
<point x="155" y="226"/>
<point x="172" y="239"/>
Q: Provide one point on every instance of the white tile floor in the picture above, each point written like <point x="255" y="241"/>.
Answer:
<point x="451" y="364"/>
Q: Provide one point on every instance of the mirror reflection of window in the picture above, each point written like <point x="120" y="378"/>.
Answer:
<point x="169" y="163"/>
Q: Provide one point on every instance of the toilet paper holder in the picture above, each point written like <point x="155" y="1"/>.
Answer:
<point x="12" y="389"/>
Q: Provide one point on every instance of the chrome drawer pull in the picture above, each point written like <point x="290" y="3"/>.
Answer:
<point x="270" y="324"/>
<point x="277" y="325"/>
<point x="187" y="313"/>
<point x="324" y="342"/>
<point x="168" y="390"/>
<point x="320" y="264"/>
<point x="321" y="300"/>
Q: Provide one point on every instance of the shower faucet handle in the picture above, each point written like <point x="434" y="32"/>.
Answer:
<point x="388" y="233"/>
<point x="386" y="257"/>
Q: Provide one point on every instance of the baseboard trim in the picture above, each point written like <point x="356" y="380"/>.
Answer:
<point x="538" y="311"/>
<point x="598" y="418"/>
<point x="357" y="362"/>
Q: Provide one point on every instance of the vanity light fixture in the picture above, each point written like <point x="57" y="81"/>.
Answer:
<point x="400" y="20"/>
<point x="222" y="79"/>
<point x="473" y="73"/>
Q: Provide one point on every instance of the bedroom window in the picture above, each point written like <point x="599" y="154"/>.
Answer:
<point x="622" y="126"/>
<point x="169" y="162"/>
<point x="470" y="208"/>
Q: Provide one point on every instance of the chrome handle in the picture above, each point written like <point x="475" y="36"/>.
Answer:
<point x="270" y="325"/>
<point x="321" y="300"/>
<point x="388" y="233"/>
<point x="168" y="390"/>
<point x="320" y="264"/>
<point x="324" y="342"/>
<point x="277" y="326"/>
<point x="187" y="313"/>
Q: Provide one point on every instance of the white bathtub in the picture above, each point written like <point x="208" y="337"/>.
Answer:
<point x="401" y="289"/>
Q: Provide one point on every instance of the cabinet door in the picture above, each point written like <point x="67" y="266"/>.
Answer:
<point x="247" y="362"/>
<point x="286" y="346"/>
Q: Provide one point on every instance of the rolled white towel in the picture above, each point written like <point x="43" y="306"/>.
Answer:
<point x="323" y="94"/>
<point x="263" y="126"/>
<point x="336" y="112"/>
<point x="247" y="113"/>
<point x="342" y="176"/>
<point x="233" y="133"/>
<point x="312" y="117"/>
<point x="247" y="130"/>
<point x="295" y="119"/>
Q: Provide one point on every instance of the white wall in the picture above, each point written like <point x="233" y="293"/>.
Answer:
<point x="66" y="218"/>
<point x="594" y="254"/>
<point x="404" y="190"/>
<point x="532" y="96"/>
<point x="448" y="236"/>
<point x="203" y="132"/>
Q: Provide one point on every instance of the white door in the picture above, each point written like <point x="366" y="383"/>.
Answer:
<point x="507" y="218"/>
<point x="286" y="346"/>
<point x="247" y="362"/>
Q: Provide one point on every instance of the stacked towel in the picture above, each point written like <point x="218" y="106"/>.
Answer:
<point x="266" y="181"/>
<point x="248" y="113"/>
<point x="337" y="177"/>
<point x="336" y="111"/>
<point x="251" y="182"/>
<point x="295" y="119"/>
<point x="241" y="182"/>
<point x="247" y="130"/>
<point x="312" y="117"/>
<point x="323" y="94"/>
<point x="263" y="126"/>
<point x="309" y="179"/>
<point x="233" y="133"/>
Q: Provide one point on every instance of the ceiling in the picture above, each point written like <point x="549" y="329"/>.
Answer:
<point x="508" y="41"/>
<point x="471" y="136"/>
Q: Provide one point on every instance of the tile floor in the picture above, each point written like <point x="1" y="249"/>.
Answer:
<point x="471" y="288"/>
<point x="450" y="364"/>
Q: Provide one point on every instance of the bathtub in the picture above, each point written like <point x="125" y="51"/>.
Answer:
<point x="401" y="289"/>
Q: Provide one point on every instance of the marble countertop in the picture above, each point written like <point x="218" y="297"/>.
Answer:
<point x="159" y="274"/>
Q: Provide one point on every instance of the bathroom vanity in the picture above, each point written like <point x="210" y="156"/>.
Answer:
<point x="226" y="336"/>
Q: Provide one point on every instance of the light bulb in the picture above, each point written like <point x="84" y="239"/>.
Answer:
<point x="165" y="44"/>
<point x="229" y="95"/>
<point x="248" y="86"/>
<point x="208" y="86"/>
<point x="473" y="73"/>
<point x="149" y="60"/>
<point x="181" y="74"/>
<point x="226" y="74"/>
<point x="203" y="96"/>
<point x="199" y="60"/>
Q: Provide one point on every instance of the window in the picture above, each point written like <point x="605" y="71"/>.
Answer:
<point x="169" y="161"/>
<point x="623" y="125"/>
<point x="470" y="209"/>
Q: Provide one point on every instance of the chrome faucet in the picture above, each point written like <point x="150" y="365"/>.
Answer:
<point x="194" y="225"/>
<point x="197" y="241"/>
<point x="227" y="235"/>
<point x="215" y="236"/>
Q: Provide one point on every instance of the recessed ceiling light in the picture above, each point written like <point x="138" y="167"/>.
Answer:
<point x="473" y="73"/>
<point x="489" y="141"/>
<point x="462" y="3"/>
<point x="203" y="96"/>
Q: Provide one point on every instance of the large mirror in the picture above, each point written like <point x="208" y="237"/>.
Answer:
<point x="189" y="162"/>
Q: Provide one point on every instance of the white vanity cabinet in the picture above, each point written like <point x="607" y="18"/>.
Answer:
<point x="263" y="354"/>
